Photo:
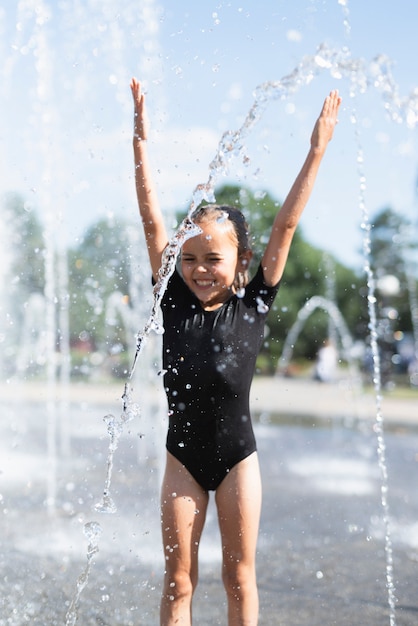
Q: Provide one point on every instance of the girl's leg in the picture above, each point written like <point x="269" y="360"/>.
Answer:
<point x="183" y="512"/>
<point x="238" y="500"/>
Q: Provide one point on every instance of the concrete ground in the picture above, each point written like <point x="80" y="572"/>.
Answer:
<point x="322" y="555"/>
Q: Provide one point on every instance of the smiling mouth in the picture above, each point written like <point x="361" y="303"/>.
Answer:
<point x="205" y="283"/>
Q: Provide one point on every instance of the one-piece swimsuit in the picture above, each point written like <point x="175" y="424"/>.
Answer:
<point x="209" y="359"/>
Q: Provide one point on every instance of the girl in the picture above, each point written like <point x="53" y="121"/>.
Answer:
<point x="214" y="321"/>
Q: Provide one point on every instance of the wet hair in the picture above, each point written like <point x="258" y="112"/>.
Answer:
<point x="240" y="231"/>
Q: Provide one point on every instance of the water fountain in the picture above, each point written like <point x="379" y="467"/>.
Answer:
<point x="318" y="302"/>
<point x="231" y="150"/>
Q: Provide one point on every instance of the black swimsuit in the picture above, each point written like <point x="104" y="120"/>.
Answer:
<point x="209" y="360"/>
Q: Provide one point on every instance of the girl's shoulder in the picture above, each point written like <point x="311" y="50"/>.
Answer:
<point x="259" y="295"/>
<point x="257" y="282"/>
<point x="176" y="289"/>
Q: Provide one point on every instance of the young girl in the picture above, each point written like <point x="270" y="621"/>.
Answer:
<point x="214" y="322"/>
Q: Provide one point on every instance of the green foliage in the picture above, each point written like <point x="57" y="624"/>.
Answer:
<point x="98" y="267"/>
<point x="310" y="273"/>
<point x="351" y="296"/>
<point x="389" y="242"/>
<point x="259" y="209"/>
<point x="392" y="247"/>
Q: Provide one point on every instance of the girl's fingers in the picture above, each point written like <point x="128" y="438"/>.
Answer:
<point x="136" y="90"/>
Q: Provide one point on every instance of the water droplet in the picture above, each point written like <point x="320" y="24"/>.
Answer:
<point x="92" y="530"/>
<point x="106" y="506"/>
<point x="156" y="327"/>
<point x="222" y="217"/>
<point x="261" y="306"/>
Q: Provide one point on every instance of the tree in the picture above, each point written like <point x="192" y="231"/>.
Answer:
<point x="98" y="268"/>
<point x="259" y="209"/>
<point x="391" y="245"/>
<point x="392" y="260"/>
<point x="388" y="239"/>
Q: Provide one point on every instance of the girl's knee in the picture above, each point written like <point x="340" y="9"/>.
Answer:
<point x="179" y="585"/>
<point x="238" y="578"/>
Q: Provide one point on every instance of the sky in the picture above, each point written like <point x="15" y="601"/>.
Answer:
<point x="65" y="141"/>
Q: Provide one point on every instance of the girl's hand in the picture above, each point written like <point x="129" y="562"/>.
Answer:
<point x="141" y="123"/>
<point x="326" y="122"/>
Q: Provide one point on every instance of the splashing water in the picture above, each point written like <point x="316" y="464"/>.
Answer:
<point x="231" y="145"/>
<point x="361" y="77"/>
<point x="92" y="531"/>
<point x="115" y="427"/>
<point x="222" y="218"/>
<point x="261" y="306"/>
<point x="186" y="230"/>
<point x="377" y="383"/>
<point x="309" y="307"/>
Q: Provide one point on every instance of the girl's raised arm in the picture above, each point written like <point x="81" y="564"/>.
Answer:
<point x="286" y="221"/>
<point x="149" y="208"/>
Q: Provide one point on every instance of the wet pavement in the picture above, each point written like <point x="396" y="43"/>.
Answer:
<point x="321" y="552"/>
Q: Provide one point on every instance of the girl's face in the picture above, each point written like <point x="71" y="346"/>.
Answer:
<point x="210" y="263"/>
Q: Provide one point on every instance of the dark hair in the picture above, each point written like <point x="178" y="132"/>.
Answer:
<point x="236" y="216"/>
<point x="240" y="229"/>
